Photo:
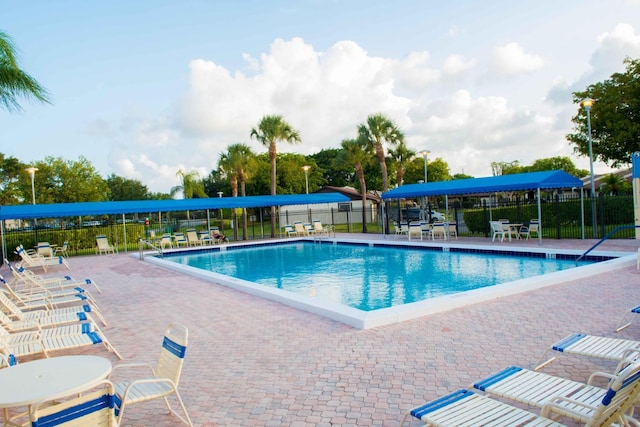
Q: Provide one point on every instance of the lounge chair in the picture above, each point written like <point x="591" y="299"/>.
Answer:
<point x="12" y="325"/>
<point x="466" y="407"/>
<point x="29" y="279"/>
<point x="309" y="229"/>
<point x="180" y="240"/>
<point x="624" y="323"/>
<point x="90" y="406"/>
<point x="205" y="238"/>
<point x="398" y="230"/>
<point x="498" y="230"/>
<point x="192" y="237"/>
<point x="103" y="246"/>
<point x="44" y="249"/>
<point x="44" y="341"/>
<point x="320" y="229"/>
<point x="40" y="312"/>
<point x="426" y="229"/>
<point x="452" y="229"/>
<point x="299" y="228"/>
<point x="290" y="231"/>
<point x="32" y="261"/>
<point x="614" y="349"/>
<point x="162" y="381"/>
<point x="165" y="241"/>
<point x="415" y="230"/>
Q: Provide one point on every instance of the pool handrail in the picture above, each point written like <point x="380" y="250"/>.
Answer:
<point x="615" y="230"/>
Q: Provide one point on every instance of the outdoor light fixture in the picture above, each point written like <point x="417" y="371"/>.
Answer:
<point x="306" y="168"/>
<point x="32" y="173"/>
<point x="425" y="153"/>
<point x="587" y="103"/>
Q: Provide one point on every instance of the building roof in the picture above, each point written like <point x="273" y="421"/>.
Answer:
<point x="349" y="192"/>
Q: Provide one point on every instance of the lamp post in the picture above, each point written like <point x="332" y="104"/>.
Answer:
<point x="306" y="168"/>
<point x="221" y="216"/>
<point x="32" y="173"/>
<point x="425" y="153"/>
<point x="587" y="103"/>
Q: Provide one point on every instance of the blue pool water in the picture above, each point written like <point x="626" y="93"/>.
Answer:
<point x="369" y="278"/>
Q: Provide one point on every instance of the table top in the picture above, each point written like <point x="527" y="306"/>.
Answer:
<point x="31" y="382"/>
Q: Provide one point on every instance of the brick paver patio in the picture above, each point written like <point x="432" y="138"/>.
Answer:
<point x="253" y="362"/>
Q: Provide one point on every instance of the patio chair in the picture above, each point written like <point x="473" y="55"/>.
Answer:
<point x="92" y="405"/>
<point x="533" y="228"/>
<point x="602" y="408"/>
<point x="28" y="277"/>
<point x="452" y="229"/>
<point x="498" y="230"/>
<point x="62" y="250"/>
<point x="415" y="230"/>
<point x="426" y="228"/>
<point x="103" y="246"/>
<point x="44" y="249"/>
<point x="614" y="349"/>
<point x="32" y="261"/>
<point x="165" y="241"/>
<point x="288" y="229"/>
<point x="162" y="380"/>
<point x="438" y="228"/>
<point x="309" y="229"/>
<point x="205" y="238"/>
<point x="320" y="229"/>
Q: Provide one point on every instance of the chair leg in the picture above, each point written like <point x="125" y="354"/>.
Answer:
<point x="186" y="418"/>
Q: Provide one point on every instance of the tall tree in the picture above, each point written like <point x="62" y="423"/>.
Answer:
<point x="234" y="164"/>
<point x="11" y="169"/>
<point x="401" y="156"/>
<point x="615" y="117"/>
<point x="14" y="82"/>
<point x="354" y="152"/>
<point x="270" y="131"/>
<point x="121" y="188"/>
<point x="614" y="185"/>
<point x="190" y="185"/>
<point x="376" y="132"/>
<point x="563" y="163"/>
<point x="332" y="174"/>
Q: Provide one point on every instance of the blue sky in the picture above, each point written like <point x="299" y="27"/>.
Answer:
<point x="145" y="88"/>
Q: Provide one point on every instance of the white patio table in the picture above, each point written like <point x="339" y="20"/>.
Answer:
<point x="31" y="382"/>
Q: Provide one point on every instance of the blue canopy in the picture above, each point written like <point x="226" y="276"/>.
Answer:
<point x="143" y="206"/>
<point x="517" y="182"/>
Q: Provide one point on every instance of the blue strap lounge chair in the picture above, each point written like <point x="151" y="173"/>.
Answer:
<point x="465" y="407"/>
<point x="624" y="323"/>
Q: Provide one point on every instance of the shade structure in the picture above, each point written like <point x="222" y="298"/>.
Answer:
<point x="547" y="180"/>
<point x="138" y="206"/>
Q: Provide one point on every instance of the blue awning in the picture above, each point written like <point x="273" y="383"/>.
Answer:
<point x="143" y="206"/>
<point x="517" y="182"/>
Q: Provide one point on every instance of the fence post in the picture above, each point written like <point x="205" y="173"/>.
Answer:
<point x="601" y="212"/>
<point x="486" y="218"/>
<point x="557" y="209"/>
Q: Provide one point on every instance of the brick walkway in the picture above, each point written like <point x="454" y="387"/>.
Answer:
<point x="253" y="362"/>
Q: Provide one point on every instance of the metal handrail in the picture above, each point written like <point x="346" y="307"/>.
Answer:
<point x="141" y="245"/>
<point x="612" y="232"/>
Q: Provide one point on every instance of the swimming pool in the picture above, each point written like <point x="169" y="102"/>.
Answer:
<point x="313" y="298"/>
<point x="370" y="277"/>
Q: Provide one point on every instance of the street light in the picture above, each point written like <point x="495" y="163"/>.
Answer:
<point x="425" y="153"/>
<point x="32" y="173"/>
<point x="587" y="103"/>
<point x="306" y="176"/>
<point x="221" y="215"/>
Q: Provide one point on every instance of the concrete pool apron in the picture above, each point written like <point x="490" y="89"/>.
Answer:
<point x="370" y="319"/>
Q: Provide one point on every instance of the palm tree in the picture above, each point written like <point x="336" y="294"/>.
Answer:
<point x="377" y="131"/>
<point x="14" y="82"/>
<point x="271" y="130"/>
<point x="234" y="164"/>
<point x="401" y="156"/>
<point x="190" y="186"/>
<point x="354" y="152"/>
<point x="613" y="185"/>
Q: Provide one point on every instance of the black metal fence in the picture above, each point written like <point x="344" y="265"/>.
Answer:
<point x="562" y="218"/>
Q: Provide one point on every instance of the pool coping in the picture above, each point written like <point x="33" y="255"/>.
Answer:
<point x="371" y="319"/>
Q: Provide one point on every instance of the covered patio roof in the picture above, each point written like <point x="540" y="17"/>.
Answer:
<point x="141" y="206"/>
<point x="517" y="182"/>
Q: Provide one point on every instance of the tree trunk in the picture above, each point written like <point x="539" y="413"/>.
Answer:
<point x="272" y="157"/>
<point x="363" y="186"/>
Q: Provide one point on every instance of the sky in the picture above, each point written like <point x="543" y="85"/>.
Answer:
<point x="145" y="88"/>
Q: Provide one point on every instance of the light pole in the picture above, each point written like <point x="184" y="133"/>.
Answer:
<point x="425" y="153"/>
<point x="221" y="215"/>
<point x="306" y="168"/>
<point x="587" y="103"/>
<point x="32" y="173"/>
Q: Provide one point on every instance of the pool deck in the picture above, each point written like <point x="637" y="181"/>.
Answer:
<point x="255" y="362"/>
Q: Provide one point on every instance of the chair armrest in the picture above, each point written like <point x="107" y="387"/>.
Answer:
<point x="122" y="366"/>
<point x="599" y="375"/>
<point x="554" y="406"/>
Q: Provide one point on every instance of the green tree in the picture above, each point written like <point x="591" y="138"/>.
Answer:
<point x="615" y="123"/>
<point x="505" y="168"/>
<point x="121" y="188"/>
<point x="354" y="152"/>
<point x="375" y="133"/>
<point x="14" y="82"/>
<point x="11" y="170"/>
<point x="614" y="185"/>
<point x="563" y="163"/>
<point x="190" y="185"/>
<point x="460" y="176"/>
<point x="332" y="174"/>
<point x="400" y="157"/>
<point x="270" y="131"/>
<point x="234" y="164"/>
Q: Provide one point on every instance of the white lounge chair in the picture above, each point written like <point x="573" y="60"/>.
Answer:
<point x="497" y="230"/>
<point x="299" y="228"/>
<point x="28" y="277"/>
<point x="614" y="349"/>
<point x="465" y="407"/>
<point x="44" y="249"/>
<point x="624" y="323"/>
<point x="180" y="240"/>
<point x="320" y="229"/>
<point x="161" y="381"/>
<point x="90" y="406"/>
<point x="290" y="231"/>
<point x="439" y="228"/>
<point x="192" y="238"/>
<point x="33" y="261"/>
<point x="103" y="246"/>
<point x="205" y="238"/>
<point x="415" y="230"/>
<point x="165" y="241"/>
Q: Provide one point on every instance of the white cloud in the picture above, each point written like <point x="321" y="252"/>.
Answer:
<point x="512" y="59"/>
<point x="456" y="64"/>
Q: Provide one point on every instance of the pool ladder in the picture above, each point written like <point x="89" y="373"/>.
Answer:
<point x="609" y="234"/>
<point x="141" y="245"/>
